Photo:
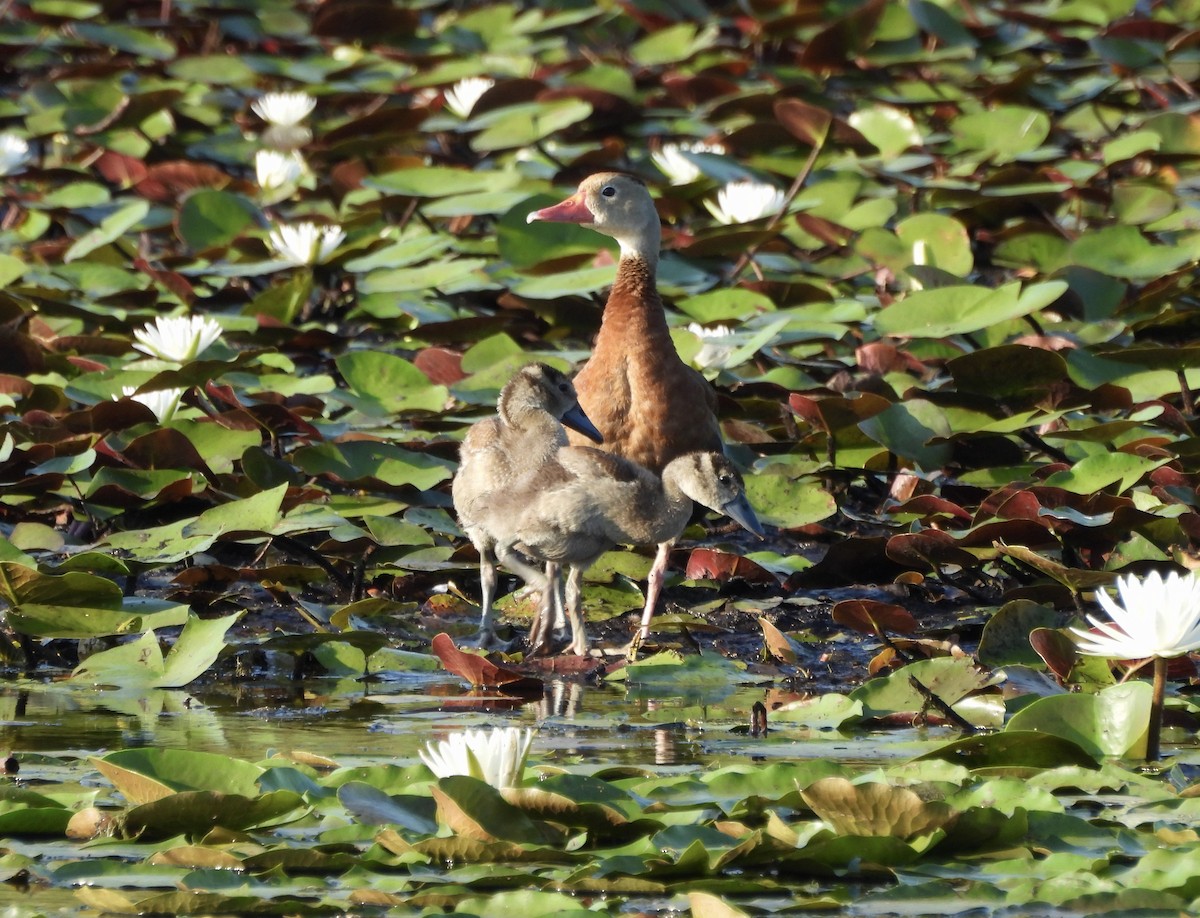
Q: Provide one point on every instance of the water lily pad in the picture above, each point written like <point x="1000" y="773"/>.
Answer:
<point x="474" y="810"/>
<point x="1099" y="471"/>
<point x="1005" y="638"/>
<point x="780" y="500"/>
<point x="199" y="812"/>
<point x="1013" y="750"/>
<point x="1112" y="721"/>
<point x="876" y="809"/>
<point x="141" y="662"/>
<point x="210" y="218"/>
<point x="946" y="311"/>
<point x="364" y="460"/>
<point x="145" y="775"/>
<point x="374" y="807"/>
<point x="390" y="382"/>
<point x="109" y="229"/>
<point x="950" y="679"/>
<point x="1002" y="134"/>
<point x="525" y="124"/>
<point x="1122" y="251"/>
<point x="939" y="241"/>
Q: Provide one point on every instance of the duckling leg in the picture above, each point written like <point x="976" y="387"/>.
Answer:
<point x="487" y="637"/>
<point x="487" y="594"/>
<point x="559" y="623"/>
<point x="550" y="612"/>
<point x="654" y="582"/>
<point x="579" y="638"/>
<point x="508" y="555"/>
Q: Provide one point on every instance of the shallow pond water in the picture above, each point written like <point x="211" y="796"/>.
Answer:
<point x="53" y="728"/>
<point x="353" y="721"/>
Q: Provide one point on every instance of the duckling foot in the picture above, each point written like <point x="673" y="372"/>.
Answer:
<point x="634" y="646"/>
<point x="489" y="640"/>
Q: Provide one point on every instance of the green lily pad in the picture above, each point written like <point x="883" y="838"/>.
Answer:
<point x="1101" y="470"/>
<point x="939" y="241"/>
<point x="945" y="311"/>
<point x="109" y="229"/>
<point x="1122" y="251"/>
<point x="1013" y="749"/>
<point x="1112" y="721"/>
<point x="950" y="679"/>
<point x="391" y="382"/>
<point x="876" y="809"/>
<point x="1005" y="638"/>
<point x="211" y="219"/>
<point x="1002" y="134"/>
<point x="141" y="662"/>
<point x="199" y="812"/>
<point x="145" y="775"/>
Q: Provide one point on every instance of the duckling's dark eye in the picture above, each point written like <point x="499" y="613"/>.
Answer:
<point x="608" y="191"/>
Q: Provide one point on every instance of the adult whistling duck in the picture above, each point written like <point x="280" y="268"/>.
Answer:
<point x="498" y="451"/>
<point x="647" y="403"/>
<point x="585" y="501"/>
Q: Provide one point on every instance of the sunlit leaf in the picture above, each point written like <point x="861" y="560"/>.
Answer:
<point x="394" y="383"/>
<point x="109" y="229"/>
<point x="876" y="809"/>
<point x="1112" y="721"/>
<point x="209" y="219"/>
<point x="475" y="810"/>
<point x="949" y="679"/>
<point x="143" y="775"/>
<point x="141" y="662"/>
<point x="947" y="311"/>
<point x="1002" y="134"/>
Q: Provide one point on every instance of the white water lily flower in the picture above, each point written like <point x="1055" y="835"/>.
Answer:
<point x="496" y="756"/>
<point x="14" y="153"/>
<point x="675" y="163"/>
<point x="286" y="109"/>
<point x="305" y="243"/>
<point x="1157" y="618"/>
<point x="745" y="202"/>
<point x="178" y="338"/>
<point x="712" y="353"/>
<point x="163" y="402"/>
<point x="276" y="170"/>
<point x="463" y="95"/>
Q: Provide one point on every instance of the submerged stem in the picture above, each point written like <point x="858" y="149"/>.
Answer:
<point x="1156" y="709"/>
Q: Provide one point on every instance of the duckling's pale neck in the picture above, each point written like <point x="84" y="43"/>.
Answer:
<point x="673" y="513"/>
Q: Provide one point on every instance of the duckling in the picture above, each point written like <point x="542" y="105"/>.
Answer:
<point x="647" y="403"/>
<point x="585" y="501"/>
<point x="496" y="452"/>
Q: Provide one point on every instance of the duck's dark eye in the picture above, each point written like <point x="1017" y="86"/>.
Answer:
<point x="608" y="191"/>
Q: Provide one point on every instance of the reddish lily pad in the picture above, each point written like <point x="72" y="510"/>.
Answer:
<point x="479" y="671"/>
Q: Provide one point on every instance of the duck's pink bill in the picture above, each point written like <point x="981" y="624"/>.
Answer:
<point x="572" y="210"/>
